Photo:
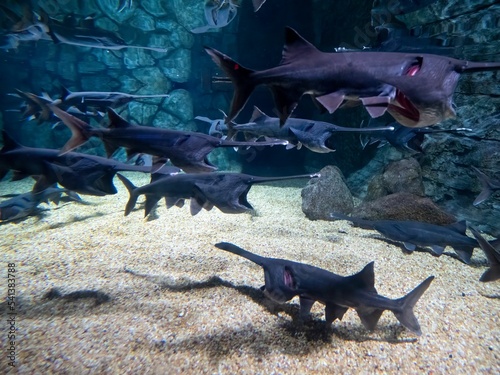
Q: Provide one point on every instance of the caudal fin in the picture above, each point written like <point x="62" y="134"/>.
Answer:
<point x="132" y="191"/>
<point x="405" y="313"/>
<point x="241" y="78"/>
<point x="486" y="190"/>
<point x="80" y="130"/>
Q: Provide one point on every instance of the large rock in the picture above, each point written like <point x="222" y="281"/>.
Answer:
<point x="400" y="176"/>
<point x="403" y="206"/>
<point x="326" y="194"/>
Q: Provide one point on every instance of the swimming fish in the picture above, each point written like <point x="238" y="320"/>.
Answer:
<point x="416" y="89"/>
<point x="285" y="279"/>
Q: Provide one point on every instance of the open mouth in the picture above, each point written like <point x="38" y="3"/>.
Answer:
<point x="404" y="106"/>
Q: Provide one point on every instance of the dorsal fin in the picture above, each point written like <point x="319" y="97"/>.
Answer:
<point x="8" y="142"/>
<point x="116" y="121"/>
<point x="295" y="47"/>
<point x="257" y="114"/>
<point x="365" y="278"/>
<point x="459" y="226"/>
<point x="64" y="92"/>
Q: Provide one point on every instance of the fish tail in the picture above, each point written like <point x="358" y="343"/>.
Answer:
<point x="227" y="246"/>
<point x="241" y="78"/>
<point x="132" y="191"/>
<point x="405" y="313"/>
<point x="80" y="130"/>
<point x="486" y="190"/>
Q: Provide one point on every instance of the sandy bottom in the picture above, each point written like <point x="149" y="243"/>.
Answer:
<point x="180" y="305"/>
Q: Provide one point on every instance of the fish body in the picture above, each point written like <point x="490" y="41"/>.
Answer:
<point x="298" y="132"/>
<point x="78" y="172"/>
<point x="186" y="150"/>
<point x="416" y="89"/>
<point x="286" y="279"/>
<point x="226" y="191"/>
<point x="26" y="204"/>
<point x="416" y="233"/>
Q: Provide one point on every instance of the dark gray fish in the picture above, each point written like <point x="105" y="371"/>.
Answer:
<point x="23" y="205"/>
<point x="226" y="191"/>
<point x="81" y="173"/>
<point x="404" y="138"/>
<point x="186" y="150"/>
<point x="489" y="186"/>
<point x="311" y="134"/>
<point x="416" y="89"/>
<point x="493" y="256"/>
<point x="416" y="233"/>
<point x="285" y="279"/>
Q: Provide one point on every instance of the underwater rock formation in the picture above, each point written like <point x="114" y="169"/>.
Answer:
<point x="327" y="194"/>
<point x="403" y="206"/>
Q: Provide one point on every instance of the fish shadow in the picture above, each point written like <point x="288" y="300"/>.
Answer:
<point x="312" y="329"/>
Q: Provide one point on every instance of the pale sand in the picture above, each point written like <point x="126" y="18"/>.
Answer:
<point x="171" y="320"/>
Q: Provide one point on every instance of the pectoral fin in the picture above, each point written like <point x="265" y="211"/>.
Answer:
<point x="331" y="101"/>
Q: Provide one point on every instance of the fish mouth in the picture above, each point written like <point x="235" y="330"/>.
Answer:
<point x="403" y="110"/>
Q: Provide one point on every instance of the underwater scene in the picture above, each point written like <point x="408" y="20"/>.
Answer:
<point x="250" y="186"/>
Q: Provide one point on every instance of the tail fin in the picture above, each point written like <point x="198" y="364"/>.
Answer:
<point x="486" y="187"/>
<point x="405" y="314"/>
<point x="80" y="130"/>
<point x="132" y="191"/>
<point x="241" y="78"/>
<point x="227" y="246"/>
<point x="493" y="256"/>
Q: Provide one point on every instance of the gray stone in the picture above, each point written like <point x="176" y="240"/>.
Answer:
<point x="153" y="80"/>
<point x="176" y="36"/>
<point x="136" y="57"/>
<point x="189" y="12"/>
<point x="157" y="8"/>
<point x="403" y="206"/>
<point x="142" y="114"/>
<point x="404" y="176"/>
<point x="326" y="194"/>
<point x="177" y="66"/>
<point x="142" y="21"/>
<point x="180" y="105"/>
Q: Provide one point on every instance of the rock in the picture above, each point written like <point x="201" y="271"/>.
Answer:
<point x="326" y="194"/>
<point x="180" y="105"/>
<point x="403" y="206"/>
<point x="177" y="66"/>
<point x="143" y="21"/>
<point x="155" y="8"/>
<point x="153" y="80"/>
<point x="404" y="176"/>
<point x="136" y="57"/>
<point x="141" y="114"/>
<point x="176" y="36"/>
<point x="189" y="12"/>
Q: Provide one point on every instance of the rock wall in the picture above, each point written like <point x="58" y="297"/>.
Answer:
<point x="472" y="29"/>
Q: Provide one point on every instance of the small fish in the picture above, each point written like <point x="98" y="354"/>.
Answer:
<point x="81" y="173"/>
<point x="257" y="4"/>
<point x="285" y="279"/>
<point x="404" y="138"/>
<point x="416" y="89"/>
<point x="226" y="191"/>
<point x="416" y="233"/>
<point x="311" y="134"/>
<point x="489" y="186"/>
<point x="86" y="34"/>
<point x="23" y="205"/>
